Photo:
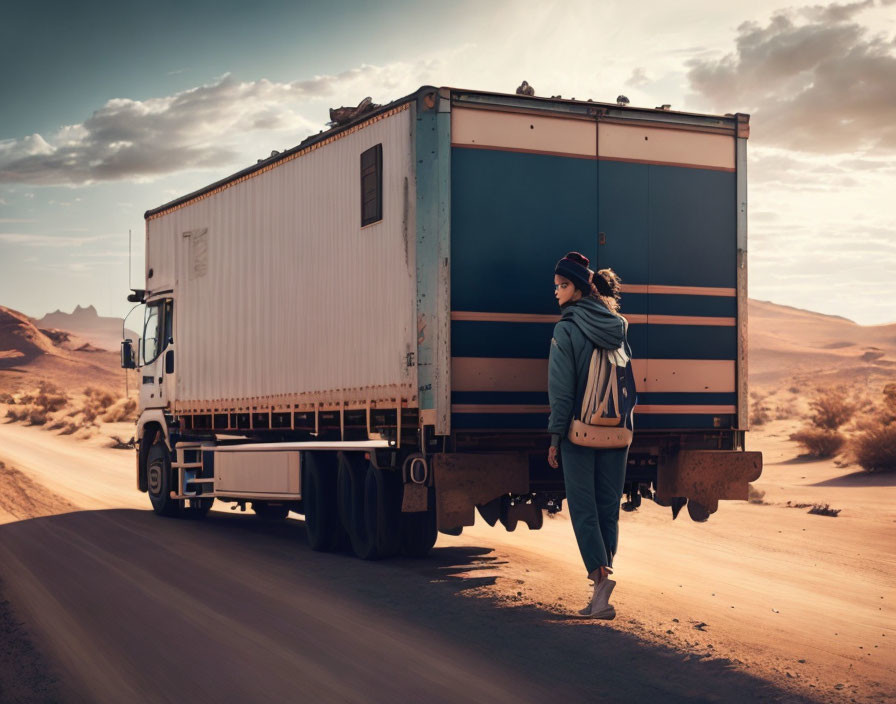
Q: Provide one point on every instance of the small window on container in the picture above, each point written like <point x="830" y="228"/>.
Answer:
<point x="372" y="185"/>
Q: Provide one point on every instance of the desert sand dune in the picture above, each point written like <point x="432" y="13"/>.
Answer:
<point x="30" y="355"/>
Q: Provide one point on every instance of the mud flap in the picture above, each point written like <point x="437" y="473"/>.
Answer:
<point x="705" y="477"/>
<point x="466" y="480"/>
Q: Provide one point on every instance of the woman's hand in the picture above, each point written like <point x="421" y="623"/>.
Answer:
<point x="552" y="457"/>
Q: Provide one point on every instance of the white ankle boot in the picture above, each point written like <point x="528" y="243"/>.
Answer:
<point x="600" y="606"/>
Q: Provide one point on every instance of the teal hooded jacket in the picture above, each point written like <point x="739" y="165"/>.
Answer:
<point x="584" y="325"/>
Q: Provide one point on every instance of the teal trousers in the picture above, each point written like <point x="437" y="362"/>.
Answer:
<point x="594" y="481"/>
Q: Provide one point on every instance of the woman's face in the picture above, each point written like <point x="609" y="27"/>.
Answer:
<point x="565" y="291"/>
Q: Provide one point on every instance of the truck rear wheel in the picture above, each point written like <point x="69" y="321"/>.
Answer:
<point x="382" y="509"/>
<point x="358" y="506"/>
<point x="160" y="479"/>
<point x="419" y="531"/>
<point x="319" y="498"/>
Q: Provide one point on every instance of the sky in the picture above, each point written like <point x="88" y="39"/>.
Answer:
<point x="109" y="109"/>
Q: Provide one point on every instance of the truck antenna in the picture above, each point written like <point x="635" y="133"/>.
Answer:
<point x="129" y="259"/>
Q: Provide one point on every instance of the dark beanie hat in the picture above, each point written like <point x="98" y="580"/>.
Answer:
<point x="574" y="271"/>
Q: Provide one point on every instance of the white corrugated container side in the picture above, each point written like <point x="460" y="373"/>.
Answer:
<point x="289" y="299"/>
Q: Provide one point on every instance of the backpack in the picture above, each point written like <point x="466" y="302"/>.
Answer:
<point x="606" y="419"/>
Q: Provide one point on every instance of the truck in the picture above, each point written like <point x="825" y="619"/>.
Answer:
<point x="357" y="329"/>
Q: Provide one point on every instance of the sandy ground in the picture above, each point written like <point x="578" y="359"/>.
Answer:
<point x="763" y="602"/>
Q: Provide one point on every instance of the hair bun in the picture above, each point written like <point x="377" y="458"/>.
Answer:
<point x="578" y="258"/>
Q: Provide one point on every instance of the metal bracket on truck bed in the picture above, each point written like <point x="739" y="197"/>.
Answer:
<point x="706" y="476"/>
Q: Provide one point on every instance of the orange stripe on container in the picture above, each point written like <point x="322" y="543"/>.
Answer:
<point x="679" y="410"/>
<point x="679" y="290"/>
<point x="642" y="144"/>
<point x="527" y="133"/>
<point x="678" y="164"/>
<point x="688" y="320"/>
<point x="633" y="318"/>
<point x="497" y="408"/>
<point x="519" y="150"/>
<point x="476" y="316"/>
<point x="684" y="375"/>
<point x="651" y="375"/>
<point x="498" y="374"/>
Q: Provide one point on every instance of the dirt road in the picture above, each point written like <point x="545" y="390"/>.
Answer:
<point x="125" y="606"/>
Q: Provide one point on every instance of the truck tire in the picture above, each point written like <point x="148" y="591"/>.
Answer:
<point x="270" y="513"/>
<point x="160" y="479"/>
<point x="358" y="506"/>
<point x="384" y="488"/>
<point x="319" y="498"/>
<point x="419" y="531"/>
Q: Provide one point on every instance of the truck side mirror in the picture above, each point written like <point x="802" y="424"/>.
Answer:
<point x="127" y="355"/>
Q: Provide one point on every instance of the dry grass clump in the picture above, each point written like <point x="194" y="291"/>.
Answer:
<point x="874" y="444"/>
<point x="820" y="442"/>
<point x="760" y="413"/>
<point x="34" y="407"/>
<point x="6" y="398"/>
<point x="875" y="449"/>
<point x="49" y="406"/>
<point x="831" y="408"/>
<point x="50" y="397"/>
<point x="124" y="409"/>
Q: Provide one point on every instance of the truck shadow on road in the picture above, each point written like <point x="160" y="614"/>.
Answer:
<point x="230" y="607"/>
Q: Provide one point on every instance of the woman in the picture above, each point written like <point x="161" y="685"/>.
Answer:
<point x="594" y="478"/>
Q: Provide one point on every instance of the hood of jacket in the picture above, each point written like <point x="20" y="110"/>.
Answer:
<point x="602" y="327"/>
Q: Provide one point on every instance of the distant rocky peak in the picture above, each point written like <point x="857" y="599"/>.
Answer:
<point x="85" y="310"/>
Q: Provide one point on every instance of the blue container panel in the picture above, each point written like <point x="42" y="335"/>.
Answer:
<point x="514" y="214"/>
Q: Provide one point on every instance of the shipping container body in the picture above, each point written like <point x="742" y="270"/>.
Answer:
<point x="283" y="300"/>
<point x="294" y="320"/>
<point x="653" y="196"/>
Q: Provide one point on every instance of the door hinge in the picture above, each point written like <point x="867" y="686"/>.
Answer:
<point x="410" y="359"/>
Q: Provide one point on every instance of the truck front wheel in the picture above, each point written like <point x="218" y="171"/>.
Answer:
<point x="160" y="479"/>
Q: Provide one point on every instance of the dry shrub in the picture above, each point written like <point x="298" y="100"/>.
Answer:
<point x="100" y="398"/>
<point x="875" y="448"/>
<point x="123" y="409"/>
<point x="6" y="398"/>
<point x="888" y="414"/>
<point x="819" y="442"/>
<point x="38" y="416"/>
<point x="759" y="413"/>
<point x="19" y="413"/>
<point x="831" y="409"/>
<point x="51" y="400"/>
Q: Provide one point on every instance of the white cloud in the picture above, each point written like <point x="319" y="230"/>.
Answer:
<point x="203" y="127"/>
<point x="813" y="79"/>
